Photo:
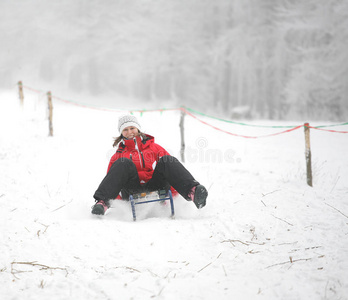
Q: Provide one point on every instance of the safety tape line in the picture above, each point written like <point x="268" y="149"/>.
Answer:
<point x="262" y="136"/>
<point x="329" y="130"/>
<point x="190" y="112"/>
<point x="341" y="124"/>
<point x="86" y="106"/>
<point x="71" y="102"/>
<point x="239" y="135"/>
<point x="141" y="111"/>
<point x="254" y="125"/>
<point x="233" y="122"/>
<point x="161" y="110"/>
<point x="33" y="90"/>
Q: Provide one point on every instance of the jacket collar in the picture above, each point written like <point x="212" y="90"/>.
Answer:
<point x="138" y="142"/>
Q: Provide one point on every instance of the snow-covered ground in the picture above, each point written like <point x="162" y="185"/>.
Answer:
<point x="264" y="233"/>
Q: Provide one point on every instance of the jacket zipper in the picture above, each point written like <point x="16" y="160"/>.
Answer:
<point x="142" y="161"/>
<point x="142" y="158"/>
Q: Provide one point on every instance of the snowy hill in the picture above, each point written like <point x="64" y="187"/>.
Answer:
<point x="264" y="233"/>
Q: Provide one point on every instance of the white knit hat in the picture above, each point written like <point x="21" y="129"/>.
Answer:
<point x="127" y="120"/>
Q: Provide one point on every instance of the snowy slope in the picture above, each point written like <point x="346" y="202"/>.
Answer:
<point x="264" y="233"/>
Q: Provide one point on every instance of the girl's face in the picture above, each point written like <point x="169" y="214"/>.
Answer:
<point x="130" y="132"/>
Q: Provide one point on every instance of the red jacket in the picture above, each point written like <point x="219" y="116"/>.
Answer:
<point x="144" y="153"/>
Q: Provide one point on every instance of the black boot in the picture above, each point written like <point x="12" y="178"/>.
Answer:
<point x="100" y="207"/>
<point x="200" y="196"/>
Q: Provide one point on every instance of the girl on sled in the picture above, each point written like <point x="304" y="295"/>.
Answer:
<point x="141" y="165"/>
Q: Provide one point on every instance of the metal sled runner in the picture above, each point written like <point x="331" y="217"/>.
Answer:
<point x="157" y="196"/>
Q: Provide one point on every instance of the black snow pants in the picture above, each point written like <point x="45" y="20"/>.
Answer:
<point x="123" y="177"/>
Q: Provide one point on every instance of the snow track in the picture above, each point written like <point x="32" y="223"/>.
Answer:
<point x="264" y="233"/>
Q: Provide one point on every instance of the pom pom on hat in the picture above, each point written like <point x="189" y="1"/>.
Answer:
<point x="127" y="120"/>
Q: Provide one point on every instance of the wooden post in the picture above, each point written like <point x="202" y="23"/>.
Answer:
<point x="308" y="155"/>
<point x="50" y="113"/>
<point x="21" y="94"/>
<point x="182" y="150"/>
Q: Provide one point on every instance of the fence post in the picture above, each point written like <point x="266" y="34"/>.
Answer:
<point x="308" y="155"/>
<point x="21" y="94"/>
<point x="50" y="113"/>
<point x="182" y="150"/>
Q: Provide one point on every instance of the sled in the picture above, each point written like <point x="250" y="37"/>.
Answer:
<point x="148" y="197"/>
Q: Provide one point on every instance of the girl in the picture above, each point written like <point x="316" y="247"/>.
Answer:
<point x="140" y="165"/>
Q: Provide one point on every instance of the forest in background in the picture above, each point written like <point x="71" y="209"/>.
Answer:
<point x="271" y="59"/>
